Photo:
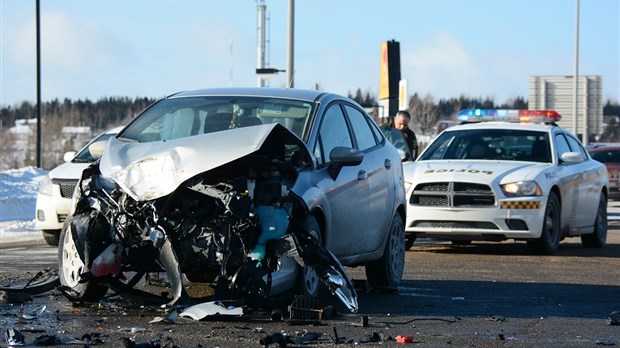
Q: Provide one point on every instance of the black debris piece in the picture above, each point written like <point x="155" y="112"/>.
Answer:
<point x="614" y="318"/>
<point x="14" y="297"/>
<point x="131" y="343"/>
<point x="274" y="338"/>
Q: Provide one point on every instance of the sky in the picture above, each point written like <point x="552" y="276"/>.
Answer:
<point x="449" y="48"/>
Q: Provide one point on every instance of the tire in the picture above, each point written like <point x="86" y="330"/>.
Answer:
<point x="387" y="272"/>
<point x="51" y="237"/>
<point x="71" y="264"/>
<point x="309" y="282"/>
<point x="598" y="238"/>
<point x="549" y="241"/>
<point x="409" y="240"/>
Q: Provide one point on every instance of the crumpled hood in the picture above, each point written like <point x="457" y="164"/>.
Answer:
<point x="471" y="171"/>
<point x="151" y="170"/>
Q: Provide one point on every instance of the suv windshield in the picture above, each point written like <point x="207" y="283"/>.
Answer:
<point x="490" y="144"/>
<point x="189" y="116"/>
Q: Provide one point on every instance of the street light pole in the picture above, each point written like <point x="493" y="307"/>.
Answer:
<point x="290" y="68"/>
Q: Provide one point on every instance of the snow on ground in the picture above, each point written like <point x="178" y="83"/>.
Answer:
<point x="18" y="194"/>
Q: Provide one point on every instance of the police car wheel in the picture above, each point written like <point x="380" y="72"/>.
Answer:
<point x="409" y="240"/>
<point x="598" y="238"/>
<point x="549" y="241"/>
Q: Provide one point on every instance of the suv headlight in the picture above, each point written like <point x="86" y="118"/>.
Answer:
<point x="45" y="187"/>
<point x="522" y="188"/>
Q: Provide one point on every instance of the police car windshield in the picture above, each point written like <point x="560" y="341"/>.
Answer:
<point x="485" y="144"/>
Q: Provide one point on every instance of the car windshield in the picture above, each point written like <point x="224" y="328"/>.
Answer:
<point x="84" y="155"/>
<point x="490" y="144"/>
<point x="188" y="116"/>
<point x="606" y="156"/>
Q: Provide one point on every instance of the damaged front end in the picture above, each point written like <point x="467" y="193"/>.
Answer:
<point x="233" y="222"/>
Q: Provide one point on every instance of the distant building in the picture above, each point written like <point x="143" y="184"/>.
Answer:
<point x="556" y="93"/>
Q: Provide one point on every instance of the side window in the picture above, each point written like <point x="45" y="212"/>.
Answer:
<point x="333" y="133"/>
<point x="361" y="129"/>
<point x="561" y="145"/>
<point x="575" y="146"/>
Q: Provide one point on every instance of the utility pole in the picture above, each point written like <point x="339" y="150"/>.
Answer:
<point x="576" y="80"/>
<point x="38" y="86"/>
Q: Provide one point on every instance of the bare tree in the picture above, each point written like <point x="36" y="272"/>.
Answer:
<point x="424" y="114"/>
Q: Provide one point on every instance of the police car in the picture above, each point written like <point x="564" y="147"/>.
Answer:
<point x="507" y="174"/>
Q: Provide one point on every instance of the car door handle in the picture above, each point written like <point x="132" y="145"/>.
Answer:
<point x="361" y="175"/>
<point x="387" y="164"/>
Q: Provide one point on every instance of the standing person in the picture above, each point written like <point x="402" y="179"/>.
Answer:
<point x="401" y="122"/>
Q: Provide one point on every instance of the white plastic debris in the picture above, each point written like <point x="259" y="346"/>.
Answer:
<point x="203" y="310"/>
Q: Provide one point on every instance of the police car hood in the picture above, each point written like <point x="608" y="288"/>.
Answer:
<point x="154" y="169"/>
<point x="472" y="171"/>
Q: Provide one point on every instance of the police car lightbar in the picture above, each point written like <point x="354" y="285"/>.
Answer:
<point x="506" y="115"/>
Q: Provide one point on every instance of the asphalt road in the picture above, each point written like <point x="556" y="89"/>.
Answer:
<point x="484" y="294"/>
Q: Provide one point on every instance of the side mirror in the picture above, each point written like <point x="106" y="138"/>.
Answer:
<point x="343" y="156"/>
<point x="572" y="157"/>
<point x="96" y="149"/>
<point x="69" y="156"/>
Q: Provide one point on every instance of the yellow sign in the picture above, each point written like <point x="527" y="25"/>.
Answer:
<point x="384" y="78"/>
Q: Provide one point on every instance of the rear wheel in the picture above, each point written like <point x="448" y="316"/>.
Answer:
<point x="599" y="237"/>
<point x="51" y="237"/>
<point x="387" y="272"/>
<point x="549" y="241"/>
<point x="73" y="262"/>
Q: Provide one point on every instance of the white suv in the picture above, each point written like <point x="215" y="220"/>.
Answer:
<point x="55" y="192"/>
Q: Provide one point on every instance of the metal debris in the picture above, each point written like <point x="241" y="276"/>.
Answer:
<point x="14" y="338"/>
<point x="33" y="314"/>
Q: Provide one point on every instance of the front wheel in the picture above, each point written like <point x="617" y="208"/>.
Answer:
<point x="549" y="241"/>
<point x="51" y="237"/>
<point x="598" y="239"/>
<point x="72" y="263"/>
<point x="387" y="272"/>
<point x="309" y="280"/>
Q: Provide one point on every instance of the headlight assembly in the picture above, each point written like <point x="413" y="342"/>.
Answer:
<point x="45" y="187"/>
<point x="407" y="186"/>
<point x="522" y="188"/>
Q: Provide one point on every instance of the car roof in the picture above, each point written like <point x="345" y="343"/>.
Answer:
<point x="502" y="125"/>
<point x="293" y="93"/>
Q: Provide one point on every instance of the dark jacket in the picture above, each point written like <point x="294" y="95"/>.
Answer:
<point x="411" y="139"/>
